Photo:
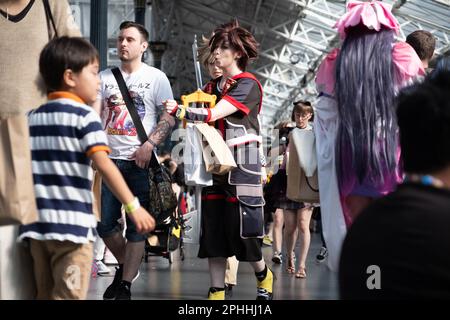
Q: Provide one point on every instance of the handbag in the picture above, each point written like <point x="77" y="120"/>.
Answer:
<point x="17" y="198"/>
<point x="17" y="206"/>
<point x="162" y="198"/>
<point x="216" y="154"/>
<point x="302" y="178"/>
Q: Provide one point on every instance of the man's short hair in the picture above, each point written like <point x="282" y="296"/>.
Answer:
<point x="61" y="54"/>
<point x="424" y="120"/>
<point x="131" y="24"/>
<point x="423" y="43"/>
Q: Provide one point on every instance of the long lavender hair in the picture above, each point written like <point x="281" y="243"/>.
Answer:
<point x="367" y="136"/>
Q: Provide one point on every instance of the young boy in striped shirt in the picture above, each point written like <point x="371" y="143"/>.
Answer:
<point x="66" y="135"/>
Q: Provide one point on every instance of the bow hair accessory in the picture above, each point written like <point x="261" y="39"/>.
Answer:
<point x="372" y="14"/>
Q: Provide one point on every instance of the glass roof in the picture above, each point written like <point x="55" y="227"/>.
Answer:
<point x="294" y="37"/>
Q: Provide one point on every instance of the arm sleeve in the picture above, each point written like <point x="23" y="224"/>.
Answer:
<point x="325" y="73"/>
<point x="101" y="92"/>
<point x="92" y="137"/>
<point x="163" y="91"/>
<point x="245" y="95"/>
<point x="408" y="66"/>
<point x="64" y="21"/>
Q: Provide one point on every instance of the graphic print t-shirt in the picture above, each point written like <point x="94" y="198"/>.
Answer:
<point x="148" y="87"/>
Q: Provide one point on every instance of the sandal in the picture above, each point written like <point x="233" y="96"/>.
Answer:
<point x="301" y="273"/>
<point x="290" y="264"/>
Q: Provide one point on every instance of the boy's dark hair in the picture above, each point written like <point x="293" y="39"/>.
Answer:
<point x="61" y="54"/>
<point x="424" y="120"/>
<point x="423" y="43"/>
<point x="301" y="107"/>
<point x="232" y="36"/>
<point x="131" y="24"/>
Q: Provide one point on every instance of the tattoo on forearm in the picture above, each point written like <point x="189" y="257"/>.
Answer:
<point x="161" y="132"/>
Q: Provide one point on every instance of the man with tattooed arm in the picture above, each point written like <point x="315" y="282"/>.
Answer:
<point x="148" y="87"/>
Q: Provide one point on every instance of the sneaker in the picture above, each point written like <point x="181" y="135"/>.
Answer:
<point x="228" y="290"/>
<point x="265" y="287"/>
<point x="136" y="276"/>
<point x="102" y="269"/>
<point x="111" y="291"/>
<point x="94" y="269"/>
<point x="215" y="294"/>
<point x="277" y="258"/>
<point x="267" y="241"/>
<point x="323" y="253"/>
<point x="123" y="291"/>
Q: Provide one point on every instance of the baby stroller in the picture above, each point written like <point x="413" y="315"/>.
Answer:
<point x="167" y="236"/>
<point x="164" y="240"/>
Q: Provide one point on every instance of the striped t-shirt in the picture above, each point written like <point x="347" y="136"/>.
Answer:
<point x="63" y="134"/>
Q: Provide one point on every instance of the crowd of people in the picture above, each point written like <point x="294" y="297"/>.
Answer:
<point x="375" y="139"/>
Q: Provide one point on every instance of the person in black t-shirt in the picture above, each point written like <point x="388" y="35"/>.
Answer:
<point x="399" y="246"/>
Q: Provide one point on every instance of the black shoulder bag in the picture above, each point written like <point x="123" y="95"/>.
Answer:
<point x="50" y="20"/>
<point x="163" y="200"/>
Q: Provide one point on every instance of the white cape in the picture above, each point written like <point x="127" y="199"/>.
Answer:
<point x="333" y="223"/>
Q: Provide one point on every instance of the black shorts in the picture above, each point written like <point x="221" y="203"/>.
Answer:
<point x="220" y="227"/>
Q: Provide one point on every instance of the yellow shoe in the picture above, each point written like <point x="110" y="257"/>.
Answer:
<point x="265" y="287"/>
<point x="267" y="241"/>
<point x="214" y="294"/>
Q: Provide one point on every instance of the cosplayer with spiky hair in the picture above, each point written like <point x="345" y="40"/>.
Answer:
<point x="232" y="219"/>
<point x="355" y="124"/>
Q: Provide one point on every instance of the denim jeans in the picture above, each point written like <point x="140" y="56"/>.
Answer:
<point x="137" y="180"/>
